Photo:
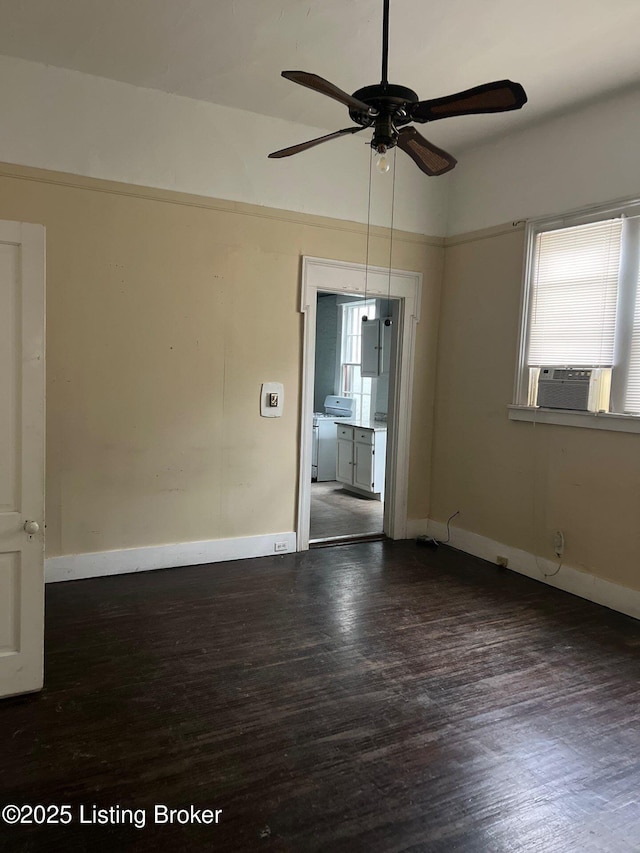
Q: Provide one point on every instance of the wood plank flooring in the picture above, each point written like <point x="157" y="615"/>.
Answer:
<point x="338" y="512"/>
<point x="372" y="697"/>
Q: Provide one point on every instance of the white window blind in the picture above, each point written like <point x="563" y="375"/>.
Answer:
<point x="632" y="398"/>
<point x="574" y="295"/>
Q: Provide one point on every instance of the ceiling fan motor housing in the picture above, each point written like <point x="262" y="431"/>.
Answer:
<point x="390" y="103"/>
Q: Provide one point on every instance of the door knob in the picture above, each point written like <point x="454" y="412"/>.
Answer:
<point x="31" y="527"/>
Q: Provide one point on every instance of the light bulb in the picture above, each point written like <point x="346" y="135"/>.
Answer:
<point x="382" y="162"/>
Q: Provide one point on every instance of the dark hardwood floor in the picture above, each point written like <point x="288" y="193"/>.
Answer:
<point x="372" y="697"/>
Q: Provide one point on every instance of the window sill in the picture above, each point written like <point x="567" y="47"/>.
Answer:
<point x="567" y="417"/>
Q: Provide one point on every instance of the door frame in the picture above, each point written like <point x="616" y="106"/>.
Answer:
<point x="341" y="277"/>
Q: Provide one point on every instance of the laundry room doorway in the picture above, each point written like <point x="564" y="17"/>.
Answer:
<point x="351" y="396"/>
<point x="356" y="401"/>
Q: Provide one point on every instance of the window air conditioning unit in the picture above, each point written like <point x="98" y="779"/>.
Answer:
<point x="583" y="389"/>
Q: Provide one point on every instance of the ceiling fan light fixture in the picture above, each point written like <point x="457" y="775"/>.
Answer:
<point x="382" y="159"/>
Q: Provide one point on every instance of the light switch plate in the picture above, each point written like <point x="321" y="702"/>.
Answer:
<point x="266" y="409"/>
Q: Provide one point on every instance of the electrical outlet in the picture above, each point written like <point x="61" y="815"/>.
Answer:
<point x="502" y="561"/>
<point x="279" y="547"/>
<point x="558" y="543"/>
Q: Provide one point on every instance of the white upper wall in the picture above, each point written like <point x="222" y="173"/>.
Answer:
<point x="67" y="121"/>
<point x="585" y="157"/>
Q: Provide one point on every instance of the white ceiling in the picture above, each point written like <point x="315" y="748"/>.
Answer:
<point x="231" y="52"/>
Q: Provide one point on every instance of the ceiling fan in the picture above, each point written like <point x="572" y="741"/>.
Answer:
<point x="389" y="108"/>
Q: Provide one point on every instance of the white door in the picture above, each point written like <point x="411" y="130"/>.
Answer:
<point x="21" y="457"/>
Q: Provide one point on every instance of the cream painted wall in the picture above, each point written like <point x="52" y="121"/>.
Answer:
<point x="585" y="157"/>
<point x="165" y="312"/>
<point x="518" y="482"/>
<point x="63" y="120"/>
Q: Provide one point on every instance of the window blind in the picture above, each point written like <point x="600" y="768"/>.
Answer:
<point x="632" y="397"/>
<point x="574" y="295"/>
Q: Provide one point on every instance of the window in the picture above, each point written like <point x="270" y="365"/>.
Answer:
<point x="581" y="305"/>
<point x="352" y="384"/>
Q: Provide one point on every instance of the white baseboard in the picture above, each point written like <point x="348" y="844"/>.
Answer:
<point x="569" y="579"/>
<point x="101" y="563"/>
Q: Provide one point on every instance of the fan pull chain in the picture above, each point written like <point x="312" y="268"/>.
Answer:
<point x="387" y="321"/>
<point x="366" y="263"/>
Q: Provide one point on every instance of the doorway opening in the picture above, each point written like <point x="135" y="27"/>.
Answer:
<point x="354" y="371"/>
<point x="353" y="360"/>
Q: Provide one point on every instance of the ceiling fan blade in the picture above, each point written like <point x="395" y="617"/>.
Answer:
<point x="319" y="84"/>
<point x="302" y="146"/>
<point x="430" y="158"/>
<point x="497" y="97"/>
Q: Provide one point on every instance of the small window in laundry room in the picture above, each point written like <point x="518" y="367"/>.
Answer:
<point x="351" y="382"/>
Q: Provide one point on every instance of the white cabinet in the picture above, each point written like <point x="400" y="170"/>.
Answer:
<point x="376" y="348"/>
<point x="370" y="364"/>
<point x="361" y="459"/>
<point x="363" y="466"/>
<point x="344" y="457"/>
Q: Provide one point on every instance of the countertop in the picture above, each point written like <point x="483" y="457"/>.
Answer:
<point x="376" y="426"/>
